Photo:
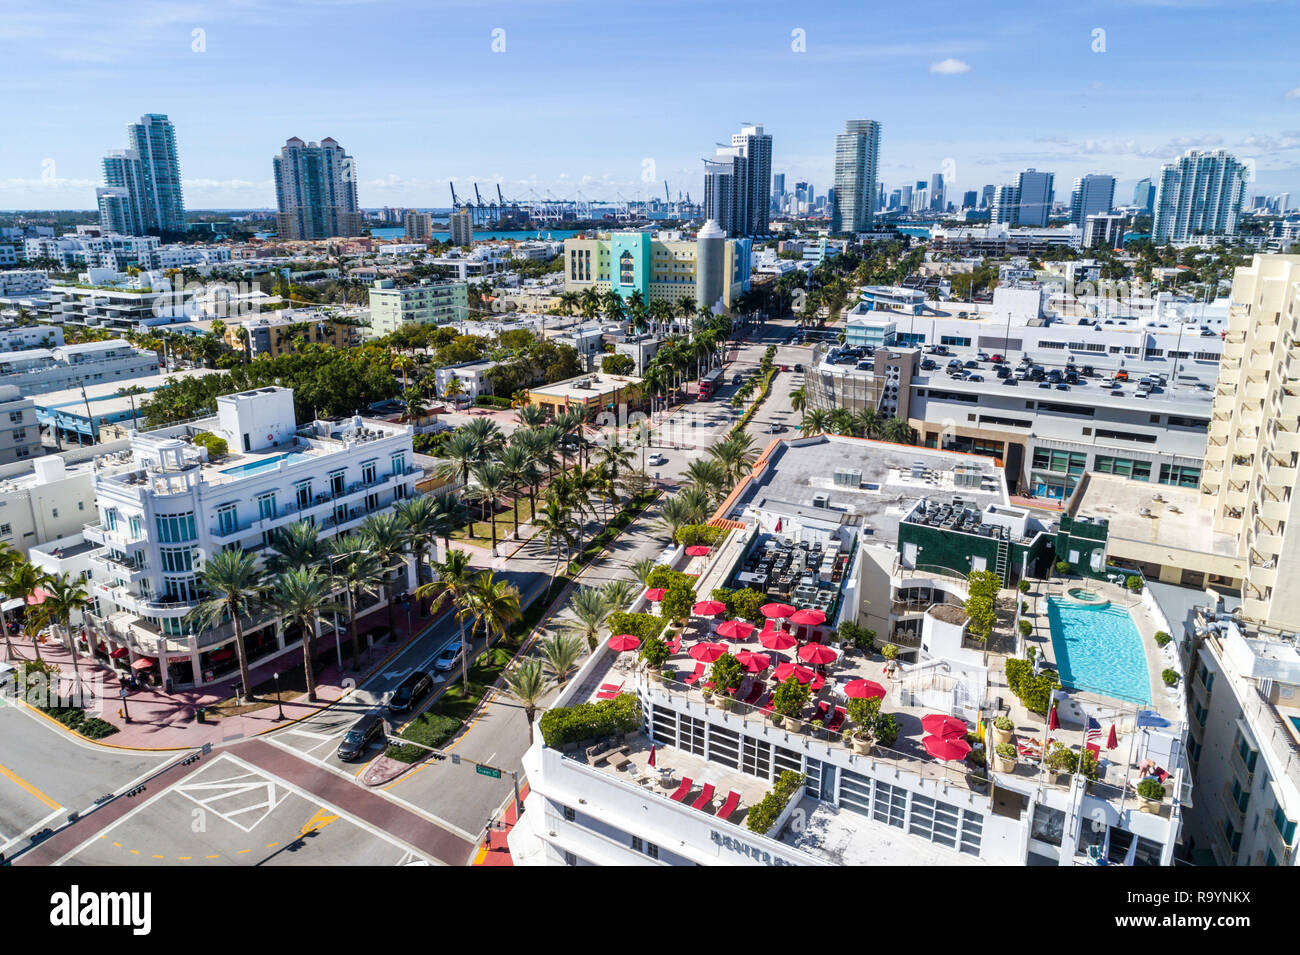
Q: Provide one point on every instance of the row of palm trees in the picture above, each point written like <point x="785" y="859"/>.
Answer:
<point x="865" y="423"/>
<point x="708" y="481"/>
<point x="64" y="595"/>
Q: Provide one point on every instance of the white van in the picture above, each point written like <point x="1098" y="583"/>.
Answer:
<point x="7" y="672"/>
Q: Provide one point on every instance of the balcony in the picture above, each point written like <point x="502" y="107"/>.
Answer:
<point x="117" y="569"/>
<point x="1231" y="809"/>
<point x="321" y="508"/>
<point x="1272" y="510"/>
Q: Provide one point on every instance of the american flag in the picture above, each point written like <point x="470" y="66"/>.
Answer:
<point x="1094" y="730"/>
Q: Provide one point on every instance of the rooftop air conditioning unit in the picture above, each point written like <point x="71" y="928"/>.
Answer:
<point x="821" y="500"/>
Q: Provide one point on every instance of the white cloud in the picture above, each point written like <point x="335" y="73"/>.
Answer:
<point x="950" y="66"/>
<point x="1292" y="94"/>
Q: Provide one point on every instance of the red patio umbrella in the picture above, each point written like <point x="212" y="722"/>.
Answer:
<point x="709" y="608"/>
<point x="776" y="611"/>
<point x="946" y="747"/>
<point x="777" y="640"/>
<point x="936" y="724"/>
<point x="1053" y="721"/>
<point x="784" y="671"/>
<point x="864" y="690"/>
<point x="735" y="630"/>
<point x="754" y="662"/>
<point x="37" y="596"/>
<point x="651" y="760"/>
<point x="1111" y="741"/>
<point x="144" y="663"/>
<point x="707" y="652"/>
<point x="817" y="654"/>
<point x="624" y="642"/>
<point x="698" y="550"/>
<point x="808" y="617"/>
<point x="655" y="594"/>
<point x="119" y="652"/>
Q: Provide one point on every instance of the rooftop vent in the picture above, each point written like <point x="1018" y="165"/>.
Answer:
<point x="821" y="500"/>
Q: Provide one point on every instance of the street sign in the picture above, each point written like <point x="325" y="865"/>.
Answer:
<point x="487" y="771"/>
<point x="455" y="759"/>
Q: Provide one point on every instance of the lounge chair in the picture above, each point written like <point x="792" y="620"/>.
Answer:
<point x="599" y="753"/>
<point x="767" y="704"/>
<point x="680" y="793"/>
<point x="730" y="806"/>
<point x="608" y="691"/>
<point x="704" y="798"/>
<point x="823" y="710"/>
<point x="694" y="678"/>
<point x="837" y="719"/>
<point x="755" y="692"/>
<point x="675" y="644"/>
<point x="817" y="683"/>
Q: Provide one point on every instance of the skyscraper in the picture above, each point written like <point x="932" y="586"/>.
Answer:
<point x="1092" y="195"/>
<point x="741" y="206"/>
<point x="1201" y="192"/>
<point x="970" y="200"/>
<point x="1144" y="196"/>
<point x="905" y="198"/>
<point x="857" y="152"/>
<point x="936" y="193"/>
<point x="986" y="197"/>
<point x="461" y="225"/>
<point x="142" y="184"/>
<point x="316" y="191"/>
<point x="1035" y="200"/>
<point x="1005" y="205"/>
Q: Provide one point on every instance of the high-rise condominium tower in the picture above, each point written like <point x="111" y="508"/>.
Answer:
<point x="1201" y="192"/>
<point x="1035" y="200"/>
<point x="1092" y="195"/>
<point x="738" y="183"/>
<point x="142" y="184"/>
<point x="316" y="191"/>
<point x="857" y="152"/>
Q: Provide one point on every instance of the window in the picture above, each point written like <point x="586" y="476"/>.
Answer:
<point x="368" y="471"/>
<point x="1285" y="827"/>
<point x="227" y="520"/>
<point x="1061" y="462"/>
<point x="569" y="814"/>
<point x="637" y="844"/>
<point x="54" y="512"/>
<point x="175" y="528"/>
<point x="1123" y="467"/>
<point x="5" y="530"/>
<point x="303" y="492"/>
<point x="266" y="506"/>
<point x="336" y="482"/>
<point x="399" y="464"/>
<point x="1180" y="475"/>
<point x="1197" y="424"/>
<point x="1126" y="436"/>
<point x="177" y="559"/>
<point x="1048" y="825"/>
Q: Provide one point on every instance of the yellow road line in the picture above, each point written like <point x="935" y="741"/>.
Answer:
<point x="28" y="788"/>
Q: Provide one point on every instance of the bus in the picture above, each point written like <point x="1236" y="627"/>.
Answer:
<point x="709" y="384"/>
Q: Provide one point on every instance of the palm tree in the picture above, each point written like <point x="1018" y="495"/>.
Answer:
<point x="453" y="578"/>
<point x="590" y="608"/>
<point x="9" y="561"/>
<point x="708" y="475"/>
<point x="237" y="587"/>
<point x="896" y="431"/>
<point x="528" y="684"/>
<point x="531" y="416"/>
<point x="798" y="399"/>
<point x="130" y="392"/>
<point x="867" y="421"/>
<point x="520" y="473"/>
<point x="386" y="538"/>
<point x="620" y="593"/>
<point x="495" y="604"/>
<point x="487" y="436"/>
<point x="491" y="482"/>
<point x="295" y="545"/>
<point x="814" y="422"/>
<point x="554" y="527"/>
<point x="358" y="572"/>
<point x="302" y="595"/>
<point x="641" y="569"/>
<point x="560" y="655"/>
<point x="841" y="421"/>
<point x="64" y="595"/>
<point x="460" y="452"/>
<point x="676" y="514"/>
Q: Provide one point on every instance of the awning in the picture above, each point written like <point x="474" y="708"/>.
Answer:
<point x="144" y="663"/>
<point x="222" y="654"/>
<point x="118" y="653"/>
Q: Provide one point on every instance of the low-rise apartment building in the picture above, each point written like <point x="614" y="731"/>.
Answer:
<point x="430" y="302"/>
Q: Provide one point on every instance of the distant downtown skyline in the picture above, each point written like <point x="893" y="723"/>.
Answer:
<point x="953" y="92"/>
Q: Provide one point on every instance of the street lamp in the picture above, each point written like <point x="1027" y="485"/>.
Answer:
<point x="278" y="702"/>
<point x="122" y="695"/>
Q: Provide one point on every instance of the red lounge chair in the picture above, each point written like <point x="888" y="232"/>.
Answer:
<point x="818" y="682"/>
<point x="730" y="806"/>
<point x="768" y="626"/>
<point x="704" y="798"/>
<point x="609" y="691"/>
<point x="837" y="719"/>
<point x="822" y="711"/>
<point x="682" y="790"/>
<point x="756" y="692"/>
<point x="767" y="704"/>
<point x="695" y="677"/>
<point x="675" y="645"/>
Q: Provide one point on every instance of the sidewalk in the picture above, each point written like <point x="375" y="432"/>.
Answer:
<point x="497" y="849"/>
<point x="166" y="720"/>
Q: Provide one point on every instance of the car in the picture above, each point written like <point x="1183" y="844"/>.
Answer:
<point x="1062" y="386"/>
<point x="1071" y="378"/>
<point x="972" y="363"/>
<point x="1003" y="371"/>
<point x="1054" y="376"/>
<point x="929" y="365"/>
<point x="1044" y="384"/>
<point x="1121" y="375"/>
<point x="413" y="688"/>
<point x="357" y="740"/>
<point x="1011" y="381"/>
<point x="997" y="359"/>
<point x="983" y="356"/>
<point x="954" y="363"/>
<point x="1036" y="374"/>
<point x="775" y="427"/>
<point x="448" y="659"/>
<point x="1087" y="371"/>
<point x="1022" y="374"/>
<point x="798" y="367"/>
<point x="864" y="365"/>
<point x="974" y="377"/>
<point x="737" y="379"/>
<point x="657" y="460"/>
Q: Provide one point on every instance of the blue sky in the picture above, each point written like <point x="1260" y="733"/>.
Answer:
<point x="585" y="93"/>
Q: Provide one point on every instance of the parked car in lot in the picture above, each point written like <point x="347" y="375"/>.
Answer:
<point x="928" y="364"/>
<point x="448" y="659"/>
<point x="997" y="359"/>
<point x="972" y="363"/>
<point x="775" y="427"/>
<point x="409" y="691"/>
<point x="657" y="460"/>
<point x="357" y="740"/>
<point x="1003" y="371"/>
<point x="974" y="377"/>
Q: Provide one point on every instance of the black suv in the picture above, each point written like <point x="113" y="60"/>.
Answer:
<point x="413" y="688"/>
<point x="364" y="731"/>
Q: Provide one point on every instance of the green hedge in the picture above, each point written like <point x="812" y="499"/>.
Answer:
<point x="643" y="625"/>
<point x="429" y="729"/>
<point x="692" y="534"/>
<point x="491" y="401"/>
<point x="572" y="724"/>
<point x="664" y="576"/>
<point x="763" y="814"/>
<point x="1032" y="691"/>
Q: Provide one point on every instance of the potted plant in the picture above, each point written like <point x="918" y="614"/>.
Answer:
<point x="864" y="714"/>
<point x="1170" y="676"/>
<point x="818" y="726"/>
<point x="1002" y="730"/>
<point x="1151" y="793"/>
<point x="1004" y="757"/>
<point x="669" y="674"/>
<point x="1062" y="762"/>
<point x="789" y="699"/>
<point x="978" y="776"/>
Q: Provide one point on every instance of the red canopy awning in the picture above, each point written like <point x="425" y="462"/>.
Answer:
<point x="776" y="611"/>
<point x="936" y="724"/>
<point x="754" y="662"/>
<point x="707" y="652"/>
<point x="1053" y="721"/>
<point x="624" y="642"/>
<point x="1111" y="741"/>
<point x="144" y="663"/>
<point x="784" y="671"/>
<point x="119" y="652"/>
<point x="808" y="617"/>
<point x="946" y="747"/>
<point x="37" y="596"/>
<point x="864" y="690"/>
<point x="709" y="608"/>
<point x="735" y="630"/>
<point x="817" y="654"/>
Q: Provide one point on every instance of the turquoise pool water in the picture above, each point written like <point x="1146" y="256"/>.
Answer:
<point x="1099" y="649"/>
<point x="264" y="465"/>
<point x="1295" y="721"/>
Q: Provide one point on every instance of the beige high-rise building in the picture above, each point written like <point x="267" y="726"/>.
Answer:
<point x="419" y="225"/>
<point x="1254" y="439"/>
<point x="462" y="228"/>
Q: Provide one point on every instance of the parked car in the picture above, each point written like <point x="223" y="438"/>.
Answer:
<point x="972" y="363"/>
<point x="1003" y="371"/>
<point x="928" y="364"/>
<point x="448" y="659"/>
<point x="1121" y="375"/>
<point x="974" y="377"/>
<point x="997" y="359"/>
<point x="657" y="460"/>
<point x="413" y="688"/>
<point x="798" y="367"/>
<point x="357" y="740"/>
<point x="1036" y="373"/>
<point x="955" y="363"/>
<point x="1011" y="381"/>
<point x="775" y="427"/>
<point x="737" y="379"/>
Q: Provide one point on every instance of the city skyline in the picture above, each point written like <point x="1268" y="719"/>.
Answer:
<point x="941" y="86"/>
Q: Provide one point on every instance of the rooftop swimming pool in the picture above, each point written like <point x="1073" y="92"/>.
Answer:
<point x="265" y="464"/>
<point x="1099" y="649"/>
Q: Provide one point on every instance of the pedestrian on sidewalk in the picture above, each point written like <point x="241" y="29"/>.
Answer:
<point x="487" y="837"/>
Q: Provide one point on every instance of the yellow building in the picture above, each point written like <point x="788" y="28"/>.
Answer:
<point x="595" y="392"/>
<point x="275" y="335"/>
